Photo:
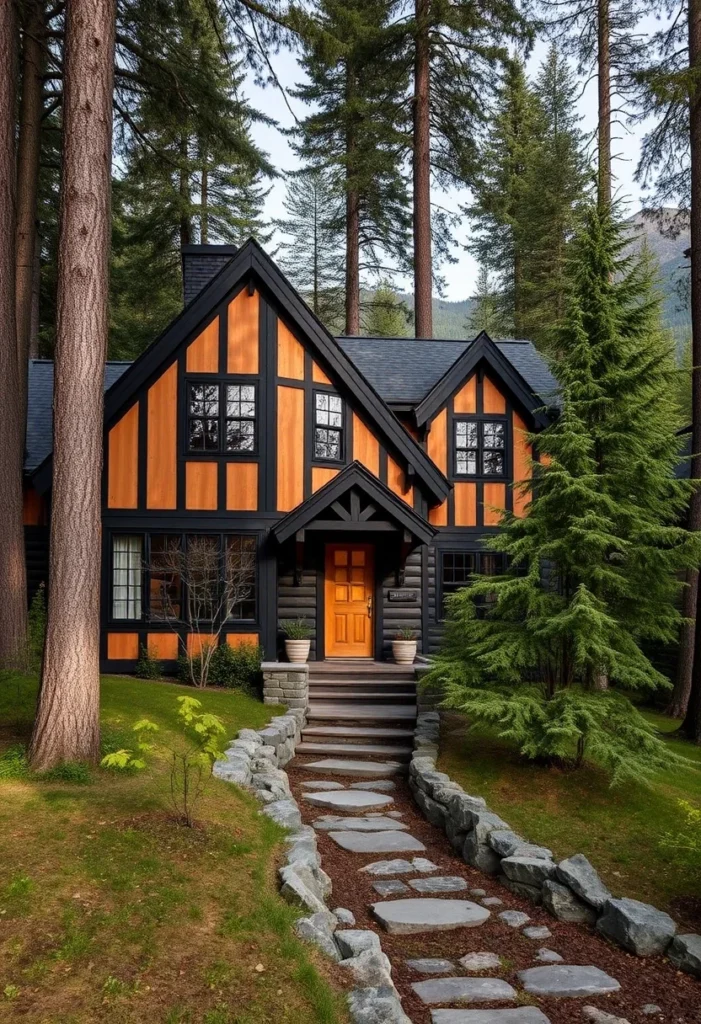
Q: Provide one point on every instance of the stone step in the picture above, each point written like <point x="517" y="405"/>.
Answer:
<point x="359" y="769"/>
<point x="349" y="799"/>
<point x="412" y="916"/>
<point x="363" y="696"/>
<point x="377" y="842"/>
<point x="512" y="1015"/>
<point x="330" y="711"/>
<point x="464" y="990"/>
<point x="355" y="749"/>
<point x="350" y="733"/>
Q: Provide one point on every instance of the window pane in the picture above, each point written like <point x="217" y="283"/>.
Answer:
<point x="466" y="463"/>
<point x="126" y="577"/>
<point x="327" y="444"/>
<point x="465" y="435"/>
<point x="240" y="435"/>
<point x="204" y="435"/>
<point x="241" y="577"/>
<point x="493" y="463"/>
<point x="493" y="434"/>
<point x="165" y="577"/>
<point x="204" y="399"/>
<point x="456" y="569"/>
<point x="335" y="404"/>
<point x="202" y="577"/>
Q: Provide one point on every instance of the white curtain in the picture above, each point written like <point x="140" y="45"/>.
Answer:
<point x="126" y="577"/>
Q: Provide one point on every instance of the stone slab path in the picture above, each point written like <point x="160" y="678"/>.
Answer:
<point x="463" y="949"/>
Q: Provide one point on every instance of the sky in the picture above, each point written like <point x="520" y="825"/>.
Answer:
<point x="460" y="277"/>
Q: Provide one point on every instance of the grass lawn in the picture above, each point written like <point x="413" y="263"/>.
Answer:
<point x="110" y="911"/>
<point x="577" y="812"/>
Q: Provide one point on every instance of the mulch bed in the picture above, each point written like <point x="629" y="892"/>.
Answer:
<point x="648" y="980"/>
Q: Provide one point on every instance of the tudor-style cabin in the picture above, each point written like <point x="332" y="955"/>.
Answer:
<point x="347" y="481"/>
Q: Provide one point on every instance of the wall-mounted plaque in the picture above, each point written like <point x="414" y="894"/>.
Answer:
<point x="404" y="596"/>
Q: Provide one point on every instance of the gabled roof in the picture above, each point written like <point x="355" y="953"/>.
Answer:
<point x="252" y="263"/>
<point x="40" y="408"/>
<point x="404" y="370"/>
<point x="355" y="478"/>
<point x="482" y="349"/>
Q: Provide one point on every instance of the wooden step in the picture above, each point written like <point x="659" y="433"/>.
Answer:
<point x="390" y="685"/>
<point x="356" y="750"/>
<point x="362" y="696"/>
<point x="378" y="670"/>
<point x="346" y="711"/>
<point x="357" y="732"/>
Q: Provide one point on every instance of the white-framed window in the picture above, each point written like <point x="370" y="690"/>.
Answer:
<point x="127" y="574"/>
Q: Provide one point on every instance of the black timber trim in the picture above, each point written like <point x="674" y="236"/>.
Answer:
<point x="251" y="260"/>
<point x="354" y="475"/>
<point x="482" y="348"/>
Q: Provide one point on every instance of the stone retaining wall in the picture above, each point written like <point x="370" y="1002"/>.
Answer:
<point x="285" y="683"/>
<point x="570" y="890"/>
<point x="254" y="760"/>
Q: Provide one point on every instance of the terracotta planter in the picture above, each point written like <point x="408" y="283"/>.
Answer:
<point x="297" y="651"/>
<point x="404" y="651"/>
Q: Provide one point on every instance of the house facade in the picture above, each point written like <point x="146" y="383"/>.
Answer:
<point x="350" y="482"/>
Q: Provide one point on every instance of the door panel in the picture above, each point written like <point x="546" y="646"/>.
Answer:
<point x="349" y="593"/>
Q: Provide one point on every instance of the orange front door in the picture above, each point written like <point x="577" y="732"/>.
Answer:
<point x="349" y="596"/>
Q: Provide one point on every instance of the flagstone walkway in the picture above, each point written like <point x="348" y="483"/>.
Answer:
<point x="463" y="949"/>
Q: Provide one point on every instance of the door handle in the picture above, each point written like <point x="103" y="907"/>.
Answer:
<point x="369" y="607"/>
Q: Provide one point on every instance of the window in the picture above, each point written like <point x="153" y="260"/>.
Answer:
<point x="328" y="426"/>
<point x="241" y="577"/>
<point x="457" y="567"/>
<point x="165" y="584"/>
<point x="480" y="447"/>
<point x="215" y="424"/>
<point x="240" y="417"/>
<point x="127" y="568"/>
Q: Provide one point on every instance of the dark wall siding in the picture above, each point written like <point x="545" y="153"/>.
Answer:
<point x="435" y="627"/>
<point x="401" y="616"/>
<point x="298" y="602"/>
<point x="36" y="546"/>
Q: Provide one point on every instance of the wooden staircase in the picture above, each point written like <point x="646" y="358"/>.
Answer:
<point x="360" y="709"/>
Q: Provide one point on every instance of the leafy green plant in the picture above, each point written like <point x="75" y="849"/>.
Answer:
<point x="686" y="843"/>
<point x="13" y="763"/>
<point x="11" y="991"/>
<point x="190" y="762"/>
<point x="296" y="629"/>
<point x="147" y="667"/>
<point x="236" y="667"/>
<point x="405" y="634"/>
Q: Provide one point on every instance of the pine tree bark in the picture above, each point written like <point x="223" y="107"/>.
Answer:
<point x="184" y="189"/>
<point x="352" y="211"/>
<point x="13" y="605"/>
<point x="204" y="201"/>
<point x="604" y="129"/>
<point x="692" y="722"/>
<point x="423" y="263"/>
<point x="36" y="293"/>
<point x="67" y="726"/>
<point x="28" y="152"/>
<point x="679" y="701"/>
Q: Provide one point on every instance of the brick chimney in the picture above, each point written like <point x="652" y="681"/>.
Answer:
<point x="200" y="264"/>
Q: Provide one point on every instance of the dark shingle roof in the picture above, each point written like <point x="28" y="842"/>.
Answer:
<point x="40" y="413"/>
<point x="403" y="370"/>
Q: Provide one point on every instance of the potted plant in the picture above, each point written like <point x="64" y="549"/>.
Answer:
<point x="297" y="642"/>
<point x="404" y="647"/>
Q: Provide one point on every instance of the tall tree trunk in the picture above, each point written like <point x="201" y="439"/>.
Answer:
<point x="13" y="605"/>
<point x="692" y="723"/>
<point x="423" y="264"/>
<point x="352" y="263"/>
<point x="28" y="180"/>
<point x="36" y="293"/>
<point x="184" y="189"/>
<point x="204" y="202"/>
<point x="315" y="251"/>
<point x="679" y="700"/>
<point x="67" y="726"/>
<point x="604" y="130"/>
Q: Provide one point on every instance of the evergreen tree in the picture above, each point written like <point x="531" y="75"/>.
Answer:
<point x="488" y="313"/>
<point x="528" y="194"/>
<point x="593" y="565"/>
<point x="355" y="135"/>
<point x="501" y="191"/>
<point x="311" y="251"/>
<point x="386" y="316"/>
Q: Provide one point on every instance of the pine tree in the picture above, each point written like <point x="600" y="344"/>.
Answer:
<point x="501" y="191"/>
<point x="311" y="251"/>
<point x="355" y="134"/>
<point x="488" y="313"/>
<point x="386" y="315"/>
<point x="593" y="566"/>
